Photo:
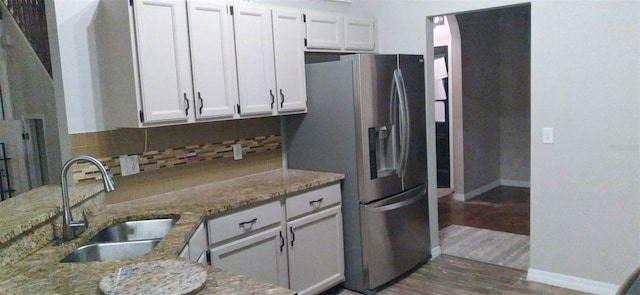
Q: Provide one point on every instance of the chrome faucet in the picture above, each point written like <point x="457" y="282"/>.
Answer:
<point x="70" y="228"/>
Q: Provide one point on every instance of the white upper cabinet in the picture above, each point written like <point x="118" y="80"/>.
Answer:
<point x="324" y="31"/>
<point x="288" y="36"/>
<point x="167" y="62"/>
<point x="163" y="53"/>
<point x="360" y="33"/>
<point x="254" y="53"/>
<point x="213" y="59"/>
<point x="332" y="32"/>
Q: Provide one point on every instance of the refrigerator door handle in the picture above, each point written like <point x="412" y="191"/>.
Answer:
<point x="407" y="122"/>
<point x="403" y="203"/>
<point x="393" y="117"/>
<point x="402" y="127"/>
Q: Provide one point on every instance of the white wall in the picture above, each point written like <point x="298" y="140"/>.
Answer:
<point x="515" y="95"/>
<point x="481" y="67"/>
<point x="80" y="79"/>
<point x="585" y="83"/>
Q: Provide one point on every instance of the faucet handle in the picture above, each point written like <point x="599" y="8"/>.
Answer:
<point x="79" y="226"/>
<point x="84" y="218"/>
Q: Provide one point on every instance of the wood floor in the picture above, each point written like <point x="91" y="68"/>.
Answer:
<point x="503" y="209"/>
<point x="448" y="275"/>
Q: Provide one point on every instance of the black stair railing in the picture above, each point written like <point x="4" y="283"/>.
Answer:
<point x="31" y="18"/>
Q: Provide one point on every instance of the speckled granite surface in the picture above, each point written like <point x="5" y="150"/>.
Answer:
<point x="32" y="220"/>
<point x="20" y="214"/>
<point x="171" y="277"/>
<point x="41" y="273"/>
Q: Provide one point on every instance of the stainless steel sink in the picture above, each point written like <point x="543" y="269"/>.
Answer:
<point x="122" y="240"/>
<point x="135" y="231"/>
<point x="111" y="251"/>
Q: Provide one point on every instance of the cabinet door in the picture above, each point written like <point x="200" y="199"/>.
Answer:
<point x="360" y="34"/>
<point x="261" y="256"/>
<point x="254" y="53"/>
<point x="213" y="59"/>
<point x="324" y="31"/>
<point x="163" y="57"/>
<point x="198" y="243"/>
<point x="288" y="45"/>
<point x="185" y="252"/>
<point x="316" y="255"/>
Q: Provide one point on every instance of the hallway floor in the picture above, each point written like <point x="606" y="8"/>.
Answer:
<point x="503" y="209"/>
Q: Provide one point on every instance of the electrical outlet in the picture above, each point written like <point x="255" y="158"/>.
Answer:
<point x="237" y="151"/>
<point x="547" y="135"/>
<point x="129" y="165"/>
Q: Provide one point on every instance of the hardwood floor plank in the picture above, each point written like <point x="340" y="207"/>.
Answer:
<point x="447" y="275"/>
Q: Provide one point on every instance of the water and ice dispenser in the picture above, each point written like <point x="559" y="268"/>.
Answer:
<point x="382" y="151"/>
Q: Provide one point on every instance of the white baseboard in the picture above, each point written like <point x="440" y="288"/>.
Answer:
<point x="458" y="197"/>
<point x="435" y="252"/>
<point x="476" y="192"/>
<point x="571" y="282"/>
<point x="516" y="183"/>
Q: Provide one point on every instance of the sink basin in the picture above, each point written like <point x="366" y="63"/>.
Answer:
<point x="111" y="251"/>
<point x="134" y="231"/>
<point x="122" y="240"/>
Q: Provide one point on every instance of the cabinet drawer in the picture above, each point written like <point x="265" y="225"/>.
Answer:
<point x="313" y="201"/>
<point x="243" y="222"/>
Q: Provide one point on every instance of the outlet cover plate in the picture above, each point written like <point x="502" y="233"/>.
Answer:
<point x="129" y="165"/>
<point x="237" y="151"/>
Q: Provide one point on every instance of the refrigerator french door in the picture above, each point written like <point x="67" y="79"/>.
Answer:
<point x="366" y="119"/>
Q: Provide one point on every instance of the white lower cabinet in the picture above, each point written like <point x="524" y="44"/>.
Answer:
<point x="198" y="245"/>
<point x="316" y="258"/>
<point x="302" y="250"/>
<point x="260" y="256"/>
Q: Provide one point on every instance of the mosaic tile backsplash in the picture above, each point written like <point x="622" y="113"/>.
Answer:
<point x="173" y="157"/>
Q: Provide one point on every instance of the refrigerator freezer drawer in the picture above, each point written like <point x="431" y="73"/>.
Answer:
<point x="395" y="236"/>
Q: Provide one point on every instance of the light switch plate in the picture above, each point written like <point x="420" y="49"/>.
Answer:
<point x="129" y="165"/>
<point x="237" y="151"/>
<point x="547" y="135"/>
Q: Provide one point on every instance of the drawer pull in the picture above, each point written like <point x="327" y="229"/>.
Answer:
<point x="316" y="201"/>
<point x="252" y="221"/>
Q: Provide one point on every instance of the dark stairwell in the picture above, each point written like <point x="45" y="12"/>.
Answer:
<point x="31" y="18"/>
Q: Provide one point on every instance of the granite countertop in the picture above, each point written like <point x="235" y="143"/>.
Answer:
<point x="20" y="215"/>
<point x="41" y="273"/>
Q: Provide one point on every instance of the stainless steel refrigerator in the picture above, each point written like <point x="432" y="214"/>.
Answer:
<point x="366" y="119"/>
